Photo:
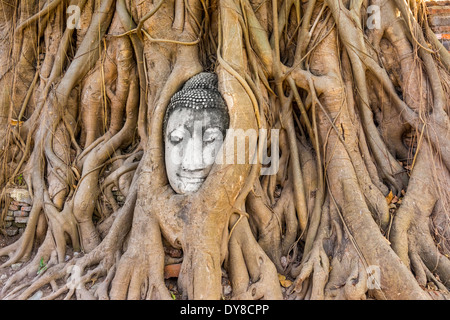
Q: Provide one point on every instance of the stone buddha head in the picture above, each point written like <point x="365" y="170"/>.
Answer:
<point x="195" y="125"/>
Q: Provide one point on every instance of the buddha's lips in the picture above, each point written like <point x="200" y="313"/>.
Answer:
<point x="191" y="179"/>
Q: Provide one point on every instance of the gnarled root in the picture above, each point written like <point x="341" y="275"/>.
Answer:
<point x="140" y="272"/>
<point x="252" y="273"/>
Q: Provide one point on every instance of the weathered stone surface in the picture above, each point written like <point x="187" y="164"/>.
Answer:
<point x="21" y="220"/>
<point x="441" y="30"/>
<point x="26" y="208"/>
<point x="433" y="3"/>
<point x="227" y="290"/>
<point x="16" y="266"/>
<point x="439" y="20"/>
<point x="8" y="224"/>
<point x="13" y="207"/>
<point x="20" y="195"/>
<point x="9" y="218"/>
<point x="19" y="204"/>
<point x="439" y="10"/>
<point x="10" y="213"/>
<point x="12" y="231"/>
<point x="21" y="213"/>
<point x="37" y="296"/>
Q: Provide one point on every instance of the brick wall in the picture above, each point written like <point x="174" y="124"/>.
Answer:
<point x="18" y="211"/>
<point x="439" y="19"/>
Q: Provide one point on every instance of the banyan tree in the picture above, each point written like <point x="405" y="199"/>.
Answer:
<point x="332" y="181"/>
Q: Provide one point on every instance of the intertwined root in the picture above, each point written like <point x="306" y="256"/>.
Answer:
<point x="140" y="271"/>
<point x="316" y="266"/>
<point x="135" y="280"/>
<point x="252" y="273"/>
<point x="92" y="119"/>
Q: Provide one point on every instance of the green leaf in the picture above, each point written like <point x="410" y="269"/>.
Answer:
<point x="42" y="266"/>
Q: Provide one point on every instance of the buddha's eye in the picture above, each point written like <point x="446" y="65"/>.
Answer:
<point x="209" y="139"/>
<point x="176" y="137"/>
<point x="211" y="135"/>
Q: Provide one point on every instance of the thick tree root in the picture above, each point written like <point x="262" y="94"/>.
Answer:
<point x="252" y="274"/>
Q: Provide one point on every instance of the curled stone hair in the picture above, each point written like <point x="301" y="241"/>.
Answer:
<point x="198" y="93"/>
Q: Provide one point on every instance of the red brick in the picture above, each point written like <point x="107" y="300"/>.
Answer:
<point x="446" y="44"/>
<point x="439" y="20"/>
<point x="19" y="203"/>
<point x="21" y="213"/>
<point x="172" y="271"/>
<point x="441" y="29"/>
<point x="437" y="3"/>
<point x="442" y="10"/>
<point x="445" y="36"/>
<point x="21" y="220"/>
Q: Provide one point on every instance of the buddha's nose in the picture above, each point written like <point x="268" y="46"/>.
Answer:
<point x="193" y="155"/>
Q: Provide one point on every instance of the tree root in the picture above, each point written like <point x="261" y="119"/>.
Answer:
<point x="316" y="265"/>
<point x="252" y="274"/>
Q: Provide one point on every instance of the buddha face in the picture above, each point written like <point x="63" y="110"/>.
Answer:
<point x="192" y="140"/>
